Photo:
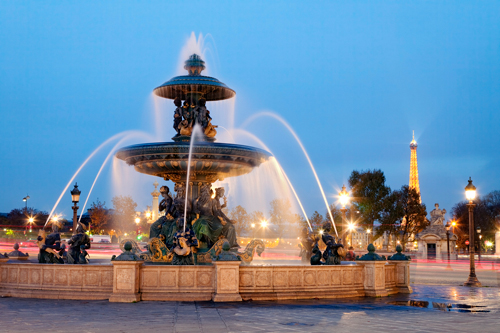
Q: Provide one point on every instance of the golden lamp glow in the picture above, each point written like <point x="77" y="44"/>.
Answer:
<point x="321" y="232"/>
<point x="470" y="191"/>
<point x="148" y="214"/>
<point x="137" y="220"/>
<point x="351" y="226"/>
<point x="31" y="220"/>
<point x="253" y="225"/>
<point x="344" y="196"/>
<point x="453" y="223"/>
<point x="55" y="218"/>
<point x="263" y="223"/>
<point x="368" y="231"/>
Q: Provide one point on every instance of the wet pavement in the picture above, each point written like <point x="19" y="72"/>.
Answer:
<point x="429" y="308"/>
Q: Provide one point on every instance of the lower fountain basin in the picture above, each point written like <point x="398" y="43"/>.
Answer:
<point x="210" y="161"/>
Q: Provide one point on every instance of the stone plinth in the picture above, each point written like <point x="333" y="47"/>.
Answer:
<point x="126" y="281"/>
<point x="374" y="278"/>
<point x="227" y="281"/>
<point x="403" y="276"/>
<point x="173" y="283"/>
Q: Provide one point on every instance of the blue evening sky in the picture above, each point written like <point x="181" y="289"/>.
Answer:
<point x="353" y="78"/>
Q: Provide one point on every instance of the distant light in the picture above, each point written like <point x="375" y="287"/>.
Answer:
<point x="137" y="220"/>
<point x="368" y="231"/>
<point x="321" y="232"/>
<point x="253" y="225"/>
<point x="31" y="219"/>
<point x="263" y="223"/>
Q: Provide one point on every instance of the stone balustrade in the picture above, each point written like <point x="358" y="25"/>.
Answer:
<point x="127" y="281"/>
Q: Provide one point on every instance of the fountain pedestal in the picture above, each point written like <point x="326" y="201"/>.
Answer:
<point x="374" y="281"/>
<point x="126" y="281"/>
<point x="227" y="284"/>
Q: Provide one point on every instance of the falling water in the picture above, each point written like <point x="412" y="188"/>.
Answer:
<point x="290" y="129"/>
<point x="274" y="160"/>
<point x="111" y="153"/>
<point x="195" y="135"/>
<point x="114" y="137"/>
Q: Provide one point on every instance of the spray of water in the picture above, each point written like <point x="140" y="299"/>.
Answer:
<point x="278" y="166"/>
<point x="194" y="136"/>
<point x="111" y="153"/>
<point x="114" y="137"/>
<point x="290" y="129"/>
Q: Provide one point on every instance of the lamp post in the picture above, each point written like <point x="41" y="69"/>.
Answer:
<point x="31" y="220"/>
<point x="344" y="199"/>
<point x="478" y="230"/>
<point x="470" y="194"/>
<point x="137" y="221"/>
<point x="448" y="226"/>
<point x="75" y="197"/>
<point x="25" y="199"/>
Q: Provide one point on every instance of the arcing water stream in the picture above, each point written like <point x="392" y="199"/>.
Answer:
<point x="290" y="129"/>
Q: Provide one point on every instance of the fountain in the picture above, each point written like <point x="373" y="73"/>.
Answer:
<point x="194" y="162"/>
<point x="193" y="254"/>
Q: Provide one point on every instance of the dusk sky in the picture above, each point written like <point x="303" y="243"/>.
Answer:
<point x="353" y="79"/>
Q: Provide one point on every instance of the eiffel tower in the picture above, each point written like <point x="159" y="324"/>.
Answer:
<point x="414" y="166"/>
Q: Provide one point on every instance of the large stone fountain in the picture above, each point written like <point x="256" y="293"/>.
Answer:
<point x="209" y="162"/>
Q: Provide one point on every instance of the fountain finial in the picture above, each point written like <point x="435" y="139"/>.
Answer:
<point x="194" y="65"/>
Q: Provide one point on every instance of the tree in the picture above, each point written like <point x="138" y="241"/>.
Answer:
<point x="241" y="219"/>
<point x="316" y="220"/>
<point x="19" y="217"/>
<point x="368" y="194"/>
<point x="403" y="215"/>
<point x="281" y="215"/>
<point x="124" y="214"/>
<point x="486" y="216"/>
<point x="99" y="217"/>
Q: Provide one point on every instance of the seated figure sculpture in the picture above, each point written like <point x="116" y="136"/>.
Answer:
<point x="332" y="255"/>
<point x="211" y="223"/>
<point x="51" y="250"/>
<point x="78" y="241"/>
<point x="166" y="205"/>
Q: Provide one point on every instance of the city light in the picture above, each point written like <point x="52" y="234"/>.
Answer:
<point x="344" y="196"/>
<point x="351" y="226"/>
<point x="137" y="220"/>
<point x="470" y="191"/>
<point x="368" y="231"/>
<point x="263" y="223"/>
<point x="253" y="225"/>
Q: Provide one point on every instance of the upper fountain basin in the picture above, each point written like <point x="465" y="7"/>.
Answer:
<point x="210" y="161"/>
<point x="182" y="86"/>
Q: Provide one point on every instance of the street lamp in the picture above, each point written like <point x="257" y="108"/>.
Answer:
<point x="351" y="226"/>
<point x="478" y="230"/>
<point x="137" y="221"/>
<point x="75" y="197"/>
<point x="344" y="200"/>
<point x="448" y="226"/>
<point x="25" y="199"/>
<point x="368" y="232"/>
<point x="31" y="220"/>
<point x="470" y="194"/>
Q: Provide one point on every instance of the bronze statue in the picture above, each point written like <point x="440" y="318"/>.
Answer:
<point x="78" y="241"/>
<point x="177" y="114"/>
<point x="51" y="250"/>
<point x="334" y="251"/>
<point x="185" y="242"/>
<point x="306" y="245"/>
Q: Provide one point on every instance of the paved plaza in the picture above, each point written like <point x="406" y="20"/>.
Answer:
<point x="472" y="309"/>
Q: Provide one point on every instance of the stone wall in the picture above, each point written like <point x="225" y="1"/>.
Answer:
<point x="56" y="281"/>
<point x="127" y="281"/>
<point x="300" y="282"/>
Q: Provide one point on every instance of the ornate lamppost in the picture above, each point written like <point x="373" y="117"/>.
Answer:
<point x="478" y="230"/>
<point x="75" y="197"/>
<point x="470" y="194"/>
<point x="344" y="199"/>
<point x="25" y="199"/>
